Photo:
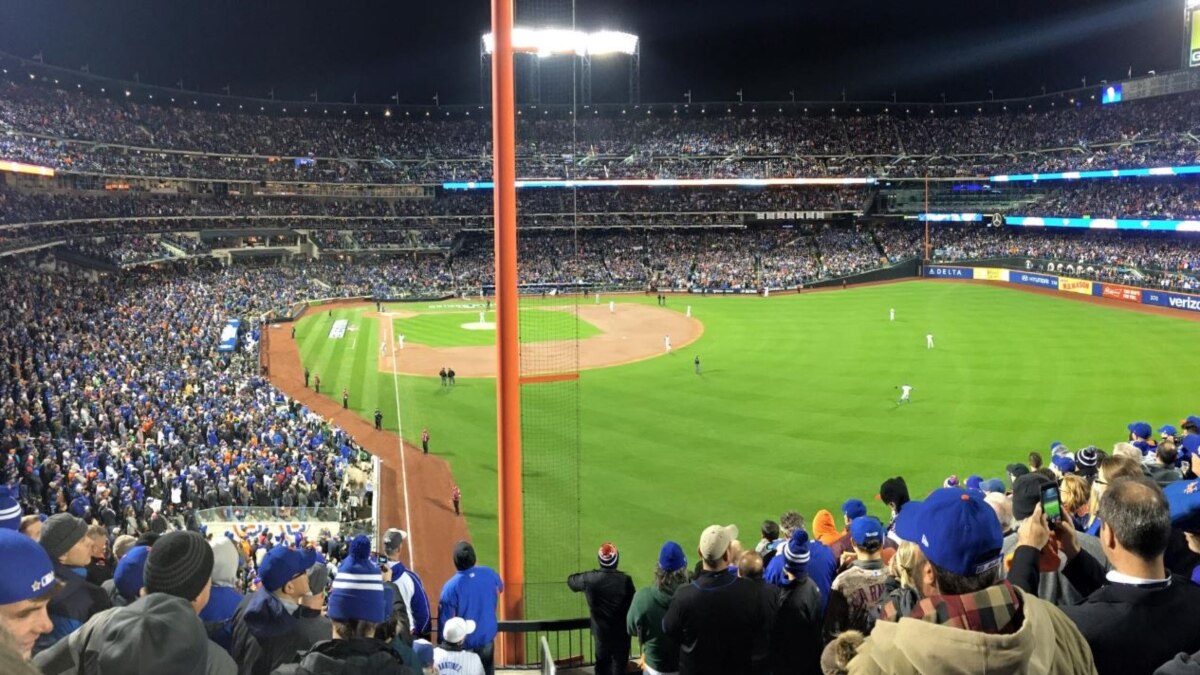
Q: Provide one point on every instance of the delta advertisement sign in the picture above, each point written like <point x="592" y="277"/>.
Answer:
<point x="1180" y="301"/>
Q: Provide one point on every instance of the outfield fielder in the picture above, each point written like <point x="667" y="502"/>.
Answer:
<point x="929" y="341"/>
<point x="667" y="343"/>
<point x="892" y="314"/>
<point x="400" y="339"/>
<point x="612" y="307"/>
<point x="905" y="391"/>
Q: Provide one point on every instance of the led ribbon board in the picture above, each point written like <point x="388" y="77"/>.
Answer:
<point x="663" y="182"/>
<point x="1106" y="173"/>
<point x="1140" y="224"/>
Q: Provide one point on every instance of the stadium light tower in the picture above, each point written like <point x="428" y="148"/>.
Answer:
<point x="547" y="42"/>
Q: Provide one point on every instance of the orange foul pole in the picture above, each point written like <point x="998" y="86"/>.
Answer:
<point x="508" y="393"/>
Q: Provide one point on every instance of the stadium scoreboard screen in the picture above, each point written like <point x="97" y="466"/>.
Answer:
<point x="1193" y="46"/>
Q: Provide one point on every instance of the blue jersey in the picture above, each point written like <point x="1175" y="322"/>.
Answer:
<point x="472" y="594"/>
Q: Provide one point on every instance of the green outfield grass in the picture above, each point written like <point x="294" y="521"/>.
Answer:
<point x="444" y="329"/>
<point x="796" y="408"/>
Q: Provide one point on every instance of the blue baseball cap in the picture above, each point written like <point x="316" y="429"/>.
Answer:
<point x="1140" y="429"/>
<point x="281" y="564"/>
<point x="1167" y="430"/>
<point x="1064" y="463"/>
<point x="1183" y="497"/>
<point x="992" y="485"/>
<point x="865" y="530"/>
<point x="956" y="530"/>
<point x="974" y="482"/>
<point x="854" y="508"/>
<point x="1192" y="420"/>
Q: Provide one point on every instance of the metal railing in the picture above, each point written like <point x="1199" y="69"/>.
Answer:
<point x="552" y="644"/>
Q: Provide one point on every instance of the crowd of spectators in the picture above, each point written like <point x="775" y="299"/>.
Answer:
<point x="1155" y="199"/>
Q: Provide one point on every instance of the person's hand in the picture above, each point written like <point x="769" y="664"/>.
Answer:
<point x="1034" y="531"/>
<point x="1064" y="534"/>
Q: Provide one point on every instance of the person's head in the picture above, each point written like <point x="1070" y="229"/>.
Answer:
<point x="10" y="510"/>
<point x="1003" y="509"/>
<point x="225" y="562"/>
<point x="796" y="555"/>
<point x="789" y="522"/>
<point x="853" y="508"/>
<point x="97" y="541"/>
<point x="750" y="565"/>
<point x="284" y="572"/>
<point x="959" y="535"/>
<point x="31" y="526"/>
<point x="393" y="541"/>
<point x="894" y="493"/>
<point x="1035" y="461"/>
<point x="1183" y="496"/>
<point x="464" y="556"/>
<point x="735" y="551"/>
<point x="1015" y="471"/>
<point x="456" y="631"/>
<point x="1087" y="462"/>
<point x="608" y="556"/>
<point x="1074" y="492"/>
<point x="1062" y="465"/>
<point x="122" y="545"/>
<point x="671" y="571"/>
<point x="65" y="539"/>
<point x="1136" y="523"/>
<point x="1166" y="453"/>
<point x="714" y="546"/>
<point x="1140" y="431"/>
<point x="906" y="566"/>
<point x="1110" y="469"/>
<point x="1027" y="494"/>
<point x="1127" y="450"/>
<point x="129" y="577"/>
<point x="25" y="589"/>
<point x="180" y="564"/>
<point x="358" y="602"/>
<point x="866" y="535"/>
<point x="770" y="530"/>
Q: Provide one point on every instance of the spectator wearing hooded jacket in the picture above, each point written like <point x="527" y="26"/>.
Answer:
<point x="271" y="625"/>
<point x="407" y="583"/>
<point x="160" y="632"/>
<point x="65" y="541"/>
<point x="649" y="605"/>
<point x="358" y="604"/>
<point x="472" y="594"/>
<point x="609" y="593"/>
<point x="225" y="597"/>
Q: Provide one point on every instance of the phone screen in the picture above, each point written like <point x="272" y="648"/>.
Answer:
<point x="1050" y="503"/>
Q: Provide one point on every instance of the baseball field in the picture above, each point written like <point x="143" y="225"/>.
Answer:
<point x="795" y="406"/>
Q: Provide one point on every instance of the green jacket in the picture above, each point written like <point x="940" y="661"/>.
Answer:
<point x="645" y="620"/>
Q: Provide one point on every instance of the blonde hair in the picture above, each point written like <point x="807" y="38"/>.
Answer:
<point x="1110" y="469"/>
<point x="904" y="565"/>
<point x="1075" y="493"/>
<point x="1003" y="508"/>
<point x="1128" y="450"/>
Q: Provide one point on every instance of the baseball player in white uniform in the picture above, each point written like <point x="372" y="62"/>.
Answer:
<point x="612" y="307"/>
<point x="667" y="343"/>
<point x="892" y="314"/>
<point x="400" y="339"/>
<point x="905" y="392"/>
<point x="449" y="658"/>
<point x="929" y="341"/>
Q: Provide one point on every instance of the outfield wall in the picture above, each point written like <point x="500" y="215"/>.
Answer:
<point x="1140" y="296"/>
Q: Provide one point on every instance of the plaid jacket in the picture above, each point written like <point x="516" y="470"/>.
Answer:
<point x="993" y="610"/>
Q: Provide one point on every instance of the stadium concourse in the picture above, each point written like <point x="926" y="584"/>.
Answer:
<point x="158" y="483"/>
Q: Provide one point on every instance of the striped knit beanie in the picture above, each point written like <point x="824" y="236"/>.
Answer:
<point x="10" y="510"/>
<point x="358" y="587"/>
<point x="795" y="553"/>
<point x="608" y="556"/>
<point x="179" y="564"/>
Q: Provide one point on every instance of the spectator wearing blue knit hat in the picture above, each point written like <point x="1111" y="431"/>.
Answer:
<point x="609" y="593"/>
<point x="272" y="624"/>
<point x="26" y="585"/>
<point x="645" y="617"/>
<point x="10" y="510"/>
<point x="128" y="579"/>
<point x="358" y="603"/>
<point x="796" y="631"/>
<point x="860" y="588"/>
<point x="968" y="615"/>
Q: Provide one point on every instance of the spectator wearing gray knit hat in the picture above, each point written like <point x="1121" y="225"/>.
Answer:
<point x="161" y="632"/>
<point x="64" y="540"/>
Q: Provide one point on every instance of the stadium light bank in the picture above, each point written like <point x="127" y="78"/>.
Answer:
<point x="555" y="41"/>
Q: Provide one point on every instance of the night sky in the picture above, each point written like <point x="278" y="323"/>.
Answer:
<point x="918" y="48"/>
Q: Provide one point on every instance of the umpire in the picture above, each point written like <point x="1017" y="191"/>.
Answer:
<point x="609" y="594"/>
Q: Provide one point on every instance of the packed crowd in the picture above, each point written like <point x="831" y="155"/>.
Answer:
<point x="1079" y="562"/>
<point x="79" y="132"/>
<point x="1174" y="200"/>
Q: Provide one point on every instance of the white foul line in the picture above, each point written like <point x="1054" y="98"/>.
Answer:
<point x="403" y="465"/>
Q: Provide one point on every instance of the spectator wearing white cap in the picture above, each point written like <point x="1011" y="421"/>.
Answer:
<point x="408" y="584"/>
<point x="968" y="615"/>
<point x="449" y="657"/>
<point x="716" y="617"/>
<point x="609" y="593"/>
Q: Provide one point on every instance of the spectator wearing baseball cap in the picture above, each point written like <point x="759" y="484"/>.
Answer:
<point x="272" y="624"/>
<point x="796" y="629"/>
<point x="609" y="593"/>
<point x="851" y="509"/>
<point x="858" y="589"/>
<point x="660" y="651"/>
<point x="1140" y="434"/>
<point x="407" y="583"/>
<point x="1184" y="499"/>
<point x="1131" y="615"/>
<point x="159" y="632"/>
<point x="969" y="616"/>
<point x="449" y="657"/>
<point x="1189" y="445"/>
<point x="472" y="594"/>
<point x="715" y="618"/>
<point x="64" y="538"/>
<point x="26" y="586"/>
<point x="358" y="604"/>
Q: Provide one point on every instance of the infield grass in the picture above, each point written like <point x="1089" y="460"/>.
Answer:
<point x="796" y="408"/>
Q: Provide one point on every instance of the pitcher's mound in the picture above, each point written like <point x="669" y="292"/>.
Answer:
<point x="487" y="325"/>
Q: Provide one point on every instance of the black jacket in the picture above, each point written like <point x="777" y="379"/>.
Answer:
<point x="266" y="635"/>
<point x="348" y="657"/>
<point x="715" y="619"/>
<point x="1132" y="629"/>
<point x="75" y="602"/>
<point x="609" y="594"/>
<point x="796" y="635"/>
